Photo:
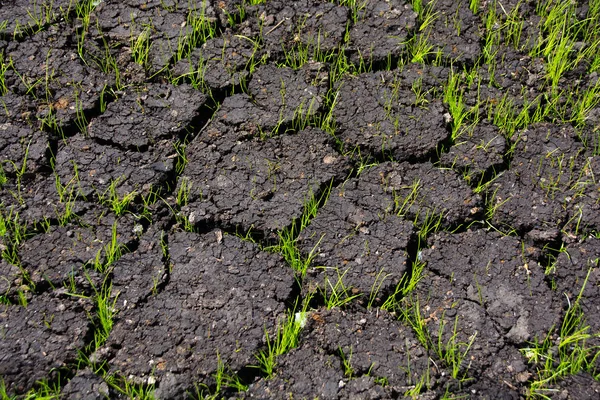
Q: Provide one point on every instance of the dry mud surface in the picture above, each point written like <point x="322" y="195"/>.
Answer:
<point x="298" y="200"/>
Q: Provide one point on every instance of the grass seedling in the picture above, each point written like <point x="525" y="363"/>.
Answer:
<point x="346" y="362"/>
<point x="83" y="12"/>
<point x="12" y="228"/>
<point x="183" y="194"/>
<point x="507" y="116"/>
<point x="80" y="119"/>
<point x="140" y="45"/>
<point x="5" y="65"/>
<point x="40" y="15"/>
<point x="3" y="226"/>
<point x="453" y="96"/>
<point x="19" y="171"/>
<point x="111" y="252"/>
<point x="408" y="282"/>
<point x="419" y="49"/>
<point x="105" y="312"/>
<point x="341" y="67"/>
<point x="376" y="287"/>
<point x="453" y="352"/>
<point x="302" y="117"/>
<point x="129" y="389"/>
<point x="415" y="391"/>
<point x="492" y="36"/>
<point x="195" y="76"/>
<point x="182" y="159"/>
<point x="286" y="338"/>
<point x="287" y="244"/>
<point x="70" y="191"/>
<point x="560" y="32"/>
<point x="3" y="178"/>
<point x="404" y="203"/>
<point x="325" y="121"/>
<point x="425" y="14"/>
<point x="417" y="274"/>
<point x="513" y="28"/>
<point x="337" y="294"/>
<point x="301" y="53"/>
<point x="102" y="319"/>
<point x="111" y="198"/>
<point x="410" y="312"/>
<point x="564" y="352"/>
<point x="197" y="30"/>
<point x="356" y="8"/>
<point x="420" y="93"/>
<point x="226" y="378"/>
<point x="584" y="103"/>
<point x="108" y="64"/>
<point x="43" y="390"/>
<point x="235" y="18"/>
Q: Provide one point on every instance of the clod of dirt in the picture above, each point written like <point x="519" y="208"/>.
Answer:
<point x="430" y="196"/>
<point x="22" y="148"/>
<point x="381" y="32"/>
<point x="221" y="297"/>
<point x="16" y="108"/>
<point x="219" y="64"/>
<point x="31" y="200"/>
<point x="21" y="17"/>
<point x="90" y="169"/>
<point x="357" y="240"/>
<point x="11" y="277"/>
<point x="358" y="237"/>
<point x="574" y="387"/>
<point x="373" y="343"/>
<point x="288" y="30"/>
<point x="48" y="67"/>
<point x="363" y="355"/>
<point x="285" y="94"/>
<point x="488" y="293"/>
<point x="60" y="255"/>
<point x="281" y="98"/>
<point x="510" y="88"/>
<point x="316" y="375"/>
<point x="86" y="385"/>
<point x="147" y="34"/>
<point x="22" y="143"/>
<point x="452" y="30"/>
<point x="139" y="274"/>
<point x="487" y="389"/>
<point x="259" y="184"/>
<point x="570" y="273"/>
<point x="394" y="114"/>
<point x="547" y="180"/>
<point x="451" y="319"/>
<point x="304" y="372"/>
<point x="147" y="115"/>
<point x="39" y="339"/>
<point x="585" y="196"/>
<point x="476" y="151"/>
<point x="515" y="73"/>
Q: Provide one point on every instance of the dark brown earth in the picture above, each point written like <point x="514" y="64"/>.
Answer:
<point x="181" y="180"/>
